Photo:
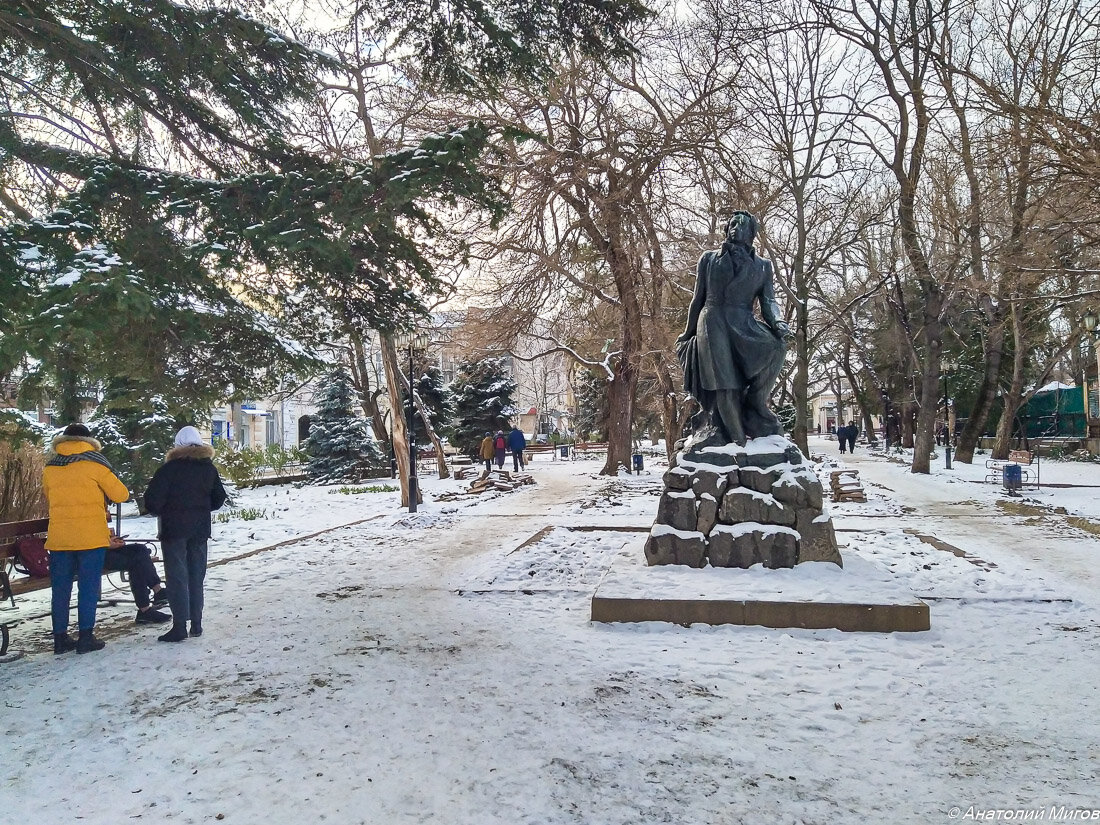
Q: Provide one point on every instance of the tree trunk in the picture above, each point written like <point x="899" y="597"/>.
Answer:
<point x="800" y="383"/>
<point x="1014" y="397"/>
<point x="924" y="436"/>
<point x="425" y="418"/>
<point x="623" y="388"/>
<point x="68" y="397"/>
<point x="620" y="416"/>
<point x="368" y="396"/>
<point x="670" y="408"/>
<point x="859" y="394"/>
<point x="987" y="393"/>
<point x="907" y="424"/>
<point x="400" y="432"/>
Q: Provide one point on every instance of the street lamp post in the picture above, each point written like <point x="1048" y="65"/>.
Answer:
<point x="948" y="367"/>
<point x="1092" y="322"/>
<point x="414" y="341"/>
<point x="886" y="422"/>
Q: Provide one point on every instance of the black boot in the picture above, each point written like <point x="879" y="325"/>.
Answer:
<point x="63" y="643"/>
<point x="196" y="628"/>
<point x="88" y="642"/>
<point x="177" y="634"/>
<point x="152" y="616"/>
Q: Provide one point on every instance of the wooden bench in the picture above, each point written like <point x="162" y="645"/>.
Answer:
<point x="14" y="583"/>
<point x="846" y="486"/>
<point x="996" y="466"/>
<point x="588" y="449"/>
<point x="531" y="450"/>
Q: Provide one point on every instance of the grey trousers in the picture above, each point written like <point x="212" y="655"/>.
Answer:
<point x="185" y="571"/>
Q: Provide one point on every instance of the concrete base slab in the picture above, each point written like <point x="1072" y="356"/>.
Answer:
<point x="861" y="596"/>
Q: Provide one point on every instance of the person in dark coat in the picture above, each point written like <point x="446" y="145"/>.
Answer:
<point x="853" y="431"/>
<point x="517" y="444"/>
<point x="183" y="493"/>
<point x="500" y="447"/>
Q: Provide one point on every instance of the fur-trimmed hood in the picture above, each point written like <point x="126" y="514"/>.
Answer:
<point x="59" y="440"/>
<point x="195" y="452"/>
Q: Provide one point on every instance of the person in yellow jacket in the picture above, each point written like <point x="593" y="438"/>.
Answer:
<point x="78" y="480"/>
<point x="488" y="451"/>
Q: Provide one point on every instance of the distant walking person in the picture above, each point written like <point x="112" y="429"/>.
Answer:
<point x="487" y="452"/>
<point x="852" y="432"/>
<point x="76" y="481"/>
<point x="517" y="444"/>
<point x="500" y="447"/>
<point x="183" y="493"/>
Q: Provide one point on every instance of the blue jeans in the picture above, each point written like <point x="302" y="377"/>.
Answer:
<point x="86" y="566"/>
<point x="185" y="571"/>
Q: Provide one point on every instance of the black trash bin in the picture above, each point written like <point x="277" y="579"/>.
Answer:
<point x="639" y="464"/>
<point x="564" y="450"/>
<point x="1013" y="477"/>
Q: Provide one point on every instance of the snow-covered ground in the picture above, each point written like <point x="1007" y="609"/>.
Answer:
<point x="441" y="667"/>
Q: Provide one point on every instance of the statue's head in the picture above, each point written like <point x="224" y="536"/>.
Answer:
<point x="741" y="228"/>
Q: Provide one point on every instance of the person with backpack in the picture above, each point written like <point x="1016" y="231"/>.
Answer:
<point x="76" y="480"/>
<point x="500" y="447"/>
<point x="183" y="493"/>
<point x="517" y="444"/>
<point x="487" y="451"/>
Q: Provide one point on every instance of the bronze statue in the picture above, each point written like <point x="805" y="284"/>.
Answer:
<point x="730" y="359"/>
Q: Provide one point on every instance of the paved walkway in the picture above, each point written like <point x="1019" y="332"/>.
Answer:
<point x="1046" y="543"/>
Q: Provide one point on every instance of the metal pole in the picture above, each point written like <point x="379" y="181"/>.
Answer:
<point x="412" y="440"/>
<point x="1096" y="349"/>
<point x="946" y="421"/>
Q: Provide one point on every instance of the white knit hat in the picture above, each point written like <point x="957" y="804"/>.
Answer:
<point x="188" y="437"/>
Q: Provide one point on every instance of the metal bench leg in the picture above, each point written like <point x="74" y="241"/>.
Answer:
<point x="5" y="589"/>
<point x="5" y="638"/>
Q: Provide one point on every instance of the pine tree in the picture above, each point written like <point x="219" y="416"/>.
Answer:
<point x="429" y="386"/>
<point x="136" y="430"/>
<point x="591" y="407"/>
<point x="482" y="397"/>
<point x="340" y="447"/>
<point x="148" y="181"/>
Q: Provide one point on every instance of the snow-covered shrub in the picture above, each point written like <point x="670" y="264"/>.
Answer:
<point x="21" y="463"/>
<point x="241" y="465"/>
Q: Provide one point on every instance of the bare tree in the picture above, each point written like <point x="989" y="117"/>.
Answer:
<point x="601" y="196"/>
<point x="803" y="126"/>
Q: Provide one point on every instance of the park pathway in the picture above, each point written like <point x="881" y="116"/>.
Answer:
<point x="966" y="517"/>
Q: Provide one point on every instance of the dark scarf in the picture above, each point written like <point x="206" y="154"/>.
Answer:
<point x="65" y="460"/>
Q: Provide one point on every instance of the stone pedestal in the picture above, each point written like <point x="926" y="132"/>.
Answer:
<point x="736" y="506"/>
